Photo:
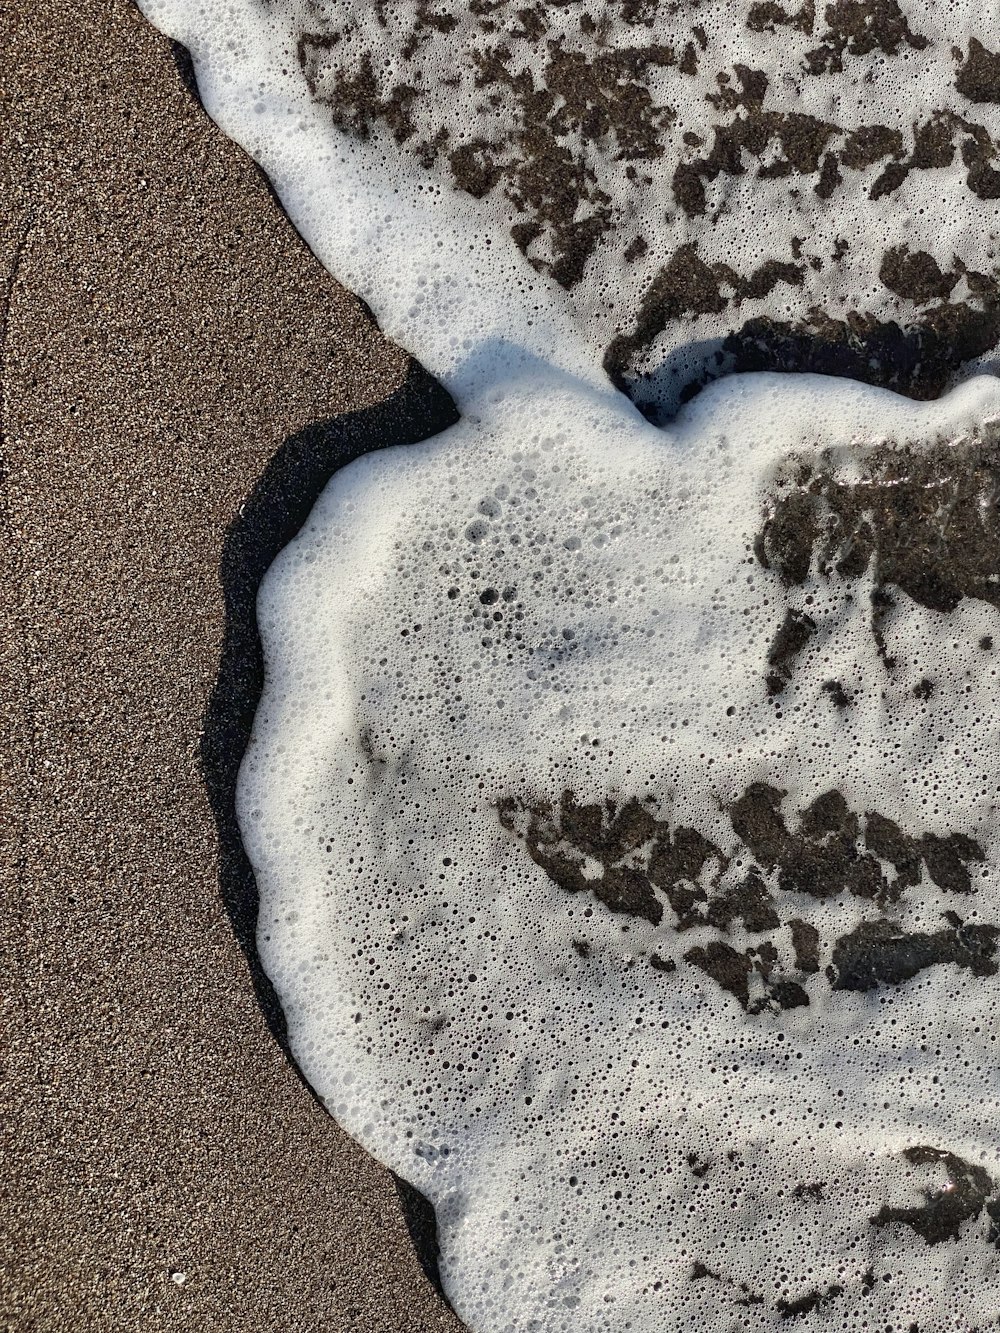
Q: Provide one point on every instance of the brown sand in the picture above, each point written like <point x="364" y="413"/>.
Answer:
<point x="163" y="333"/>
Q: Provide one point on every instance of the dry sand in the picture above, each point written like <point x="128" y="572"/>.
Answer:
<point x="164" y="335"/>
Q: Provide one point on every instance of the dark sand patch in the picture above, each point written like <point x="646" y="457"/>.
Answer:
<point x="163" y="333"/>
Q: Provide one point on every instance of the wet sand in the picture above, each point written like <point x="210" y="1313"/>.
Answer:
<point x="171" y="353"/>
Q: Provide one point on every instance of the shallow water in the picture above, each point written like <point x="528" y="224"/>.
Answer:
<point x="622" y="799"/>
<point x="729" y="187"/>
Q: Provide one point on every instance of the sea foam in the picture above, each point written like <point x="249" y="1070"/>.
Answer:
<point x="623" y="800"/>
<point x="693" y="189"/>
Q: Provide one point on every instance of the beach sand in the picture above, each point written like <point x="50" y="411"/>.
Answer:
<point x="171" y="352"/>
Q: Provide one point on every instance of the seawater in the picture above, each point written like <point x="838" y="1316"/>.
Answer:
<point x="623" y="799"/>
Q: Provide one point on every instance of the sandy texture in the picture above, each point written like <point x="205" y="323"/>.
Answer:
<point x="164" y="335"/>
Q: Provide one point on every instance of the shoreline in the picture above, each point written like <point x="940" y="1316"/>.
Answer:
<point x="167" y="340"/>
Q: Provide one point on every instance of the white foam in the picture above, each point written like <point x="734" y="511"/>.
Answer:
<point x="476" y="311"/>
<point x="457" y="280"/>
<point x="554" y="597"/>
<point x="426" y="963"/>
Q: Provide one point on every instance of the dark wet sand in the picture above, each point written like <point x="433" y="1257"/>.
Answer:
<point x="164" y="335"/>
